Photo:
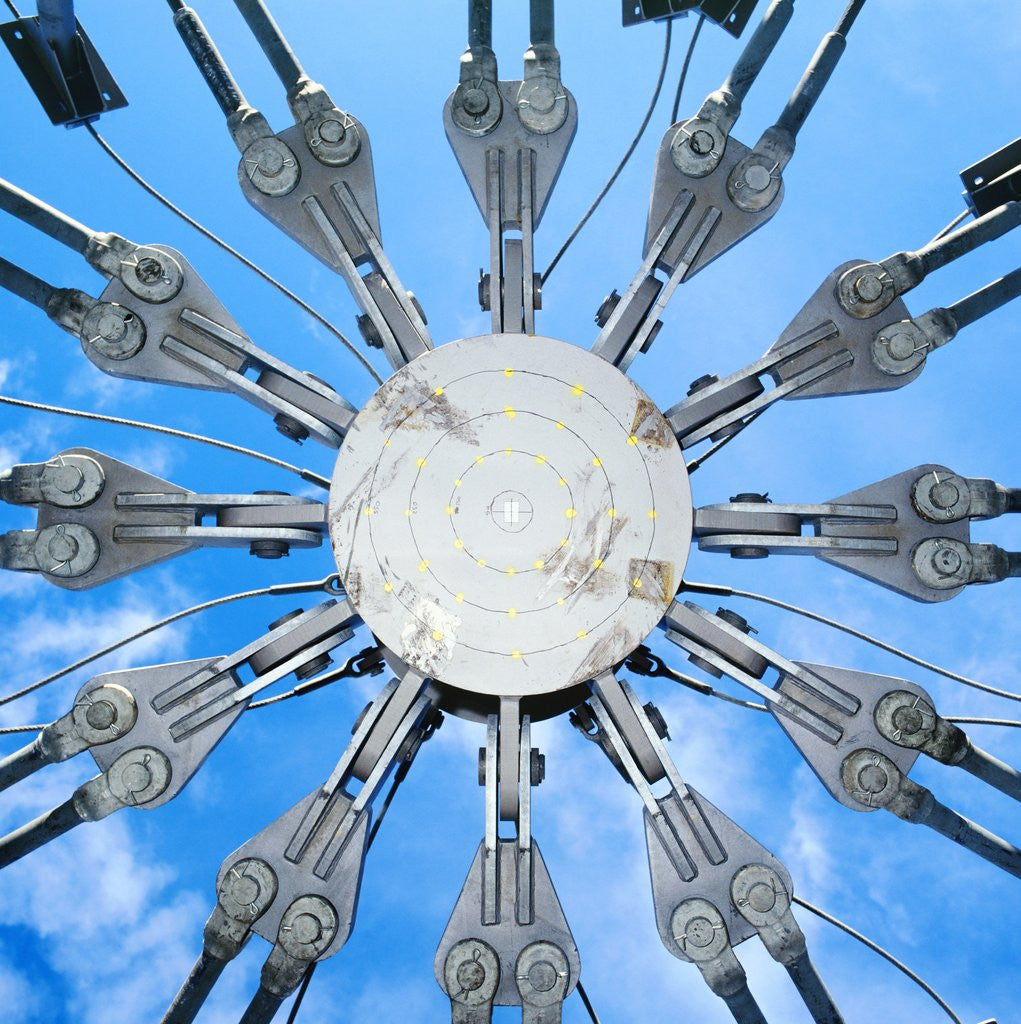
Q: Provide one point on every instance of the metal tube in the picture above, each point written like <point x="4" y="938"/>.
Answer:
<point x="195" y="991"/>
<point x="950" y="247"/>
<point x="43" y="217"/>
<point x="480" y="23"/>
<point x="813" y="991"/>
<point x="757" y="50"/>
<point x="541" y="22"/>
<point x="985" y="300"/>
<point x="743" y="1007"/>
<point x="24" y="840"/>
<point x="208" y="60"/>
<point x="263" y="1007"/>
<point x="989" y="769"/>
<point x="818" y="72"/>
<point x="967" y="834"/>
<point x="32" y="289"/>
<point x="22" y="763"/>
<point x="271" y="39"/>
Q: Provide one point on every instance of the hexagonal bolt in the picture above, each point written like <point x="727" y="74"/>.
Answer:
<point x="269" y="548"/>
<point x="701" y="383"/>
<point x="537" y="767"/>
<point x="734" y="619"/>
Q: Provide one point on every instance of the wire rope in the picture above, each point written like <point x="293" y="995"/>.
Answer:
<point x="623" y="163"/>
<point x="305" y="474"/>
<point x="876" y="948"/>
<point x="216" y="240"/>
<point x="275" y="590"/>
<point x="724" y="591"/>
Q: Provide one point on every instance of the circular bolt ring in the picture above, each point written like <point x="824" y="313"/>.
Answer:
<point x="152" y="274"/>
<point x="247" y="888"/>
<point x="307" y="927"/>
<point x="104" y="713"/>
<point x="699" y="930"/>
<point x="471" y="972"/>
<point x="139" y="776"/>
<point x="870" y="778"/>
<point x="942" y="563"/>
<point x="465" y="110"/>
<point x="542" y="973"/>
<point x="72" y="481"/>
<point x="271" y="167"/>
<point x="941" y="496"/>
<point x="67" y="550"/>
<point x="333" y="138"/>
<point x="697" y="147"/>
<point x="760" y="894"/>
<point x="113" y="331"/>
<point x="905" y="718"/>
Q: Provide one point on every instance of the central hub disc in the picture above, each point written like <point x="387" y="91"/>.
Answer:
<point x="510" y="515"/>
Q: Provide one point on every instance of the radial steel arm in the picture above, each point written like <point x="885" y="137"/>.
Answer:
<point x="314" y="181"/>
<point x="860" y="733"/>
<point x="157" y="320"/>
<point x="511" y="161"/>
<point x="296" y="883"/>
<point x="909" y="532"/>
<point x="507" y="942"/>
<point x="854" y="336"/>
<point x="713" y="885"/>
<point x="99" y="519"/>
<point x="709" y="190"/>
<point x="150" y="729"/>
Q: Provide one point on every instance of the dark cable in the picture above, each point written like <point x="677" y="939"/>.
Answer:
<point x="695" y="463"/>
<point x="684" y="70"/>
<point x="724" y="591"/>
<point x="58" y="410"/>
<point x="14" y="10"/>
<point x="399" y="776"/>
<point x="620" y="167"/>
<point x="950" y="227"/>
<point x="216" y="240"/>
<point x="876" y="948"/>
<point x="585" y="1000"/>
<point x="276" y="589"/>
<point x="293" y="1015"/>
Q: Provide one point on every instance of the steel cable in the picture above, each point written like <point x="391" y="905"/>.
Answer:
<point x="684" y="69"/>
<point x="275" y="590"/>
<point x="876" y="948"/>
<point x="305" y="474"/>
<point x="623" y="163"/>
<point x="216" y="240"/>
<point x="724" y="591"/>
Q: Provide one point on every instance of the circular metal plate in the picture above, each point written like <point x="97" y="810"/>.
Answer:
<point x="510" y="514"/>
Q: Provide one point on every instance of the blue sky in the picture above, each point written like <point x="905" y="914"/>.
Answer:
<point x="104" y="924"/>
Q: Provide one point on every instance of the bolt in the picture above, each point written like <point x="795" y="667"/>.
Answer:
<point x="608" y="305"/>
<point x="332" y="131"/>
<point x="542" y="976"/>
<point x="946" y="561"/>
<point x="762" y="897"/>
<point x="471" y="975"/>
<point x="702" y="142"/>
<point x="735" y="620"/>
<point x="269" y="548"/>
<point x="290" y="427"/>
<point x="868" y="287"/>
<point x="657" y="720"/>
<point x="66" y="549"/>
<point x="699" y="932"/>
<point x="475" y="101"/>
<point x="482" y="766"/>
<point x="702" y="383"/>
<point x="310" y="668"/>
<point x="148" y="270"/>
<point x="286" y="618"/>
<point x="908" y="720"/>
<point x="537" y="767"/>
<point x="306" y="928"/>
<point x="101" y="715"/>
<point x="944" y="494"/>
<point x="136" y="777"/>
<point x="484" y="290"/>
<point x="757" y="177"/>
<point x="369" y="331"/>
<point x="873" y="779"/>
<point x="751" y="498"/>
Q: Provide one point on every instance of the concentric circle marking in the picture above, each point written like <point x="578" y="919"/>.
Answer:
<point x="510" y="514"/>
